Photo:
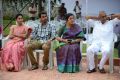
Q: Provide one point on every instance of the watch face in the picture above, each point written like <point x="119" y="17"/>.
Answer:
<point x="69" y="40"/>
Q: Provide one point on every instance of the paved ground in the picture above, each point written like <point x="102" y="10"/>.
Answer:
<point x="55" y="75"/>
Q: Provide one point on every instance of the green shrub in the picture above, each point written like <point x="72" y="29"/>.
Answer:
<point x="5" y="23"/>
<point x="26" y="18"/>
<point x="7" y="17"/>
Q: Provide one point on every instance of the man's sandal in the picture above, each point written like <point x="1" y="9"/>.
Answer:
<point x="101" y="70"/>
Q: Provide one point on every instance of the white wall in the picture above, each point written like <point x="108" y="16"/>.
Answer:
<point x="94" y="6"/>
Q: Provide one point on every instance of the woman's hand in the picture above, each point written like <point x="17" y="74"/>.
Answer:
<point x="65" y="40"/>
<point x="61" y="39"/>
<point x="75" y="41"/>
<point x="11" y="36"/>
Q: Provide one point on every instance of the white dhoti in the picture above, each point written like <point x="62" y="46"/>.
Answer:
<point x="93" y="49"/>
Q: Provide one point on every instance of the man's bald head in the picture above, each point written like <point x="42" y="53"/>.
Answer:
<point x="102" y="16"/>
<point x="102" y="13"/>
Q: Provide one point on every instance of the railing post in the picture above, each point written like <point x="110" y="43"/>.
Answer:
<point x="1" y="23"/>
<point x="1" y="17"/>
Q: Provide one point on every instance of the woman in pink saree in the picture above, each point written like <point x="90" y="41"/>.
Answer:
<point x="14" y="50"/>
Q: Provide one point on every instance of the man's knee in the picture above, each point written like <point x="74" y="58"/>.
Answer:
<point x="28" y="47"/>
<point x="107" y="51"/>
<point x="89" y="50"/>
<point x="46" y="47"/>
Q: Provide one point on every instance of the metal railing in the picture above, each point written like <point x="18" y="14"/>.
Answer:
<point x="12" y="18"/>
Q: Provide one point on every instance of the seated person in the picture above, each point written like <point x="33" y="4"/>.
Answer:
<point x="14" y="50"/>
<point x="68" y="52"/>
<point x="41" y="39"/>
<point x="102" y="40"/>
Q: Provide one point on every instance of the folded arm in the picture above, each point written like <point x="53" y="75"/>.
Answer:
<point x="21" y="35"/>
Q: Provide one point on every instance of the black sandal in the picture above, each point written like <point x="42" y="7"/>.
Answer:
<point x="101" y="70"/>
<point x="34" y="67"/>
<point x="10" y="69"/>
<point x="91" y="71"/>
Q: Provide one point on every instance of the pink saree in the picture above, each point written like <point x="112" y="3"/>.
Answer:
<point x="14" y="51"/>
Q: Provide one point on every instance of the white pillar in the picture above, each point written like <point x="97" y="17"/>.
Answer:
<point x="49" y="8"/>
<point x="87" y="15"/>
<point x="1" y="16"/>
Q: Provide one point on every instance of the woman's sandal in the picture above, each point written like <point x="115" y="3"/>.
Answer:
<point x="101" y="70"/>
<point x="10" y="67"/>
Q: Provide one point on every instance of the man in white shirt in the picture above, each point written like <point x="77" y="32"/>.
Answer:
<point x="102" y="40"/>
<point x="77" y="10"/>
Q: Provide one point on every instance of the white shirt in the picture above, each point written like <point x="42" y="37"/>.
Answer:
<point x="77" y="7"/>
<point x="103" y="33"/>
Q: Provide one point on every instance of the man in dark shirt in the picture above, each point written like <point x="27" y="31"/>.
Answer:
<point x="62" y="12"/>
